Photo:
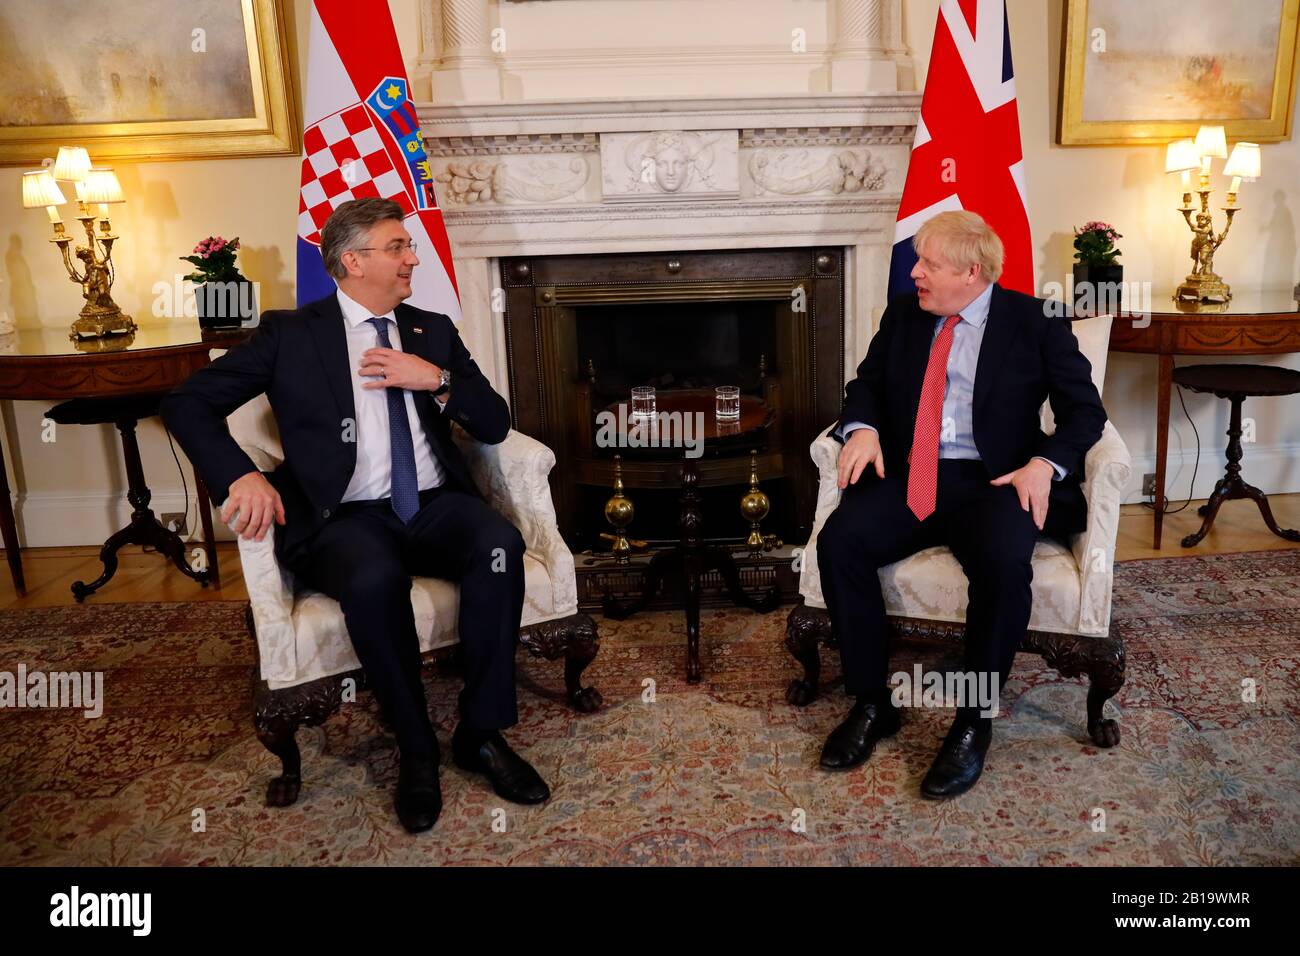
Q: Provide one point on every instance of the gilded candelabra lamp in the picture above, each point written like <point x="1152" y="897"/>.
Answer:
<point x="1203" y="284"/>
<point x="96" y="186"/>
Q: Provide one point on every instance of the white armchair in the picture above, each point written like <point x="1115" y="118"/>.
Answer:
<point x="303" y="650"/>
<point x="925" y="594"/>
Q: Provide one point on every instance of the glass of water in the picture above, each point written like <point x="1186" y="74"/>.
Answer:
<point x="643" y="403"/>
<point x="726" y="403"/>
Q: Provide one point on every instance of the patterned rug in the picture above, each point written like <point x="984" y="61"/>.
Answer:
<point x="720" y="773"/>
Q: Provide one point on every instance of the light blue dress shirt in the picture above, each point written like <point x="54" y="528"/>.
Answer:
<point x="957" y="428"/>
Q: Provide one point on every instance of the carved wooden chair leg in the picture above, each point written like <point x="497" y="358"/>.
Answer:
<point x="277" y="736"/>
<point x="1102" y="659"/>
<point x="277" y="715"/>
<point x="805" y="628"/>
<point x="275" y="726"/>
<point x="580" y="647"/>
<point x="575" y="638"/>
<point x="1105" y="678"/>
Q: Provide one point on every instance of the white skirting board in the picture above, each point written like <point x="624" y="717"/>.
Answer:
<point x="60" y="520"/>
<point x="1273" y="469"/>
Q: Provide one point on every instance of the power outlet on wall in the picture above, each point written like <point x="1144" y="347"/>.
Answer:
<point x="173" y="521"/>
<point x="1149" y="485"/>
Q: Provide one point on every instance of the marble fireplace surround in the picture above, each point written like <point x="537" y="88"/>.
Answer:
<point x="661" y="175"/>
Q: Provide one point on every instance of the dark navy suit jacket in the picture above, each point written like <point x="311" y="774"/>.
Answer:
<point x="1026" y="357"/>
<point x="299" y="358"/>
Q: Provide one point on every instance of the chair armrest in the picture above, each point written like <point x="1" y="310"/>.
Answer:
<point x="253" y="427"/>
<point x="513" y="475"/>
<point x="1106" y="470"/>
<point x="270" y="596"/>
<point x="825" y="452"/>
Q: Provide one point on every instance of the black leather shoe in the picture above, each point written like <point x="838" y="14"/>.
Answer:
<point x="960" y="761"/>
<point x="513" y="778"/>
<point x="851" y="743"/>
<point x="419" y="797"/>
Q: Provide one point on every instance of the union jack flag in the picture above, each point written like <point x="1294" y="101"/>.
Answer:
<point x="966" y="154"/>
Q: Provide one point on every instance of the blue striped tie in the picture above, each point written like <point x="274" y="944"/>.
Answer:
<point x="406" y="486"/>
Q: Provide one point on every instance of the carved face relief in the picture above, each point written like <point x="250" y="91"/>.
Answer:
<point x="669" y="161"/>
<point x="672" y="168"/>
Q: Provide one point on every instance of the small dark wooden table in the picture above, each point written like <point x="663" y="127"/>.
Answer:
<point x="684" y="564"/>
<point x="1236" y="383"/>
<point x="44" y="364"/>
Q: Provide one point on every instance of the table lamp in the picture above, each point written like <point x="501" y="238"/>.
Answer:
<point x="96" y="186"/>
<point x="1203" y="284"/>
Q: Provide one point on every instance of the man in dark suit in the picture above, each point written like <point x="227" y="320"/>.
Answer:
<point x="942" y="446"/>
<point x="372" y="489"/>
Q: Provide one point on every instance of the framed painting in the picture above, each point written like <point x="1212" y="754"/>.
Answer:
<point x="149" y="79"/>
<point x="1154" y="71"/>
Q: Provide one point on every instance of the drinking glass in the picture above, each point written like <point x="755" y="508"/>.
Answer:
<point x="726" y="403"/>
<point x="643" y="403"/>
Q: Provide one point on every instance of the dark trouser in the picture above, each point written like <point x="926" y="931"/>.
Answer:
<point x="364" y="558"/>
<point x="989" y="534"/>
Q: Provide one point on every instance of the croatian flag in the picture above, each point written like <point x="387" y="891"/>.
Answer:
<point x="361" y="139"/>
<point x="966" y="154"/>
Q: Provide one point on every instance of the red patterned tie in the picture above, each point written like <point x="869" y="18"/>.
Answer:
<point x="922" y="479"/>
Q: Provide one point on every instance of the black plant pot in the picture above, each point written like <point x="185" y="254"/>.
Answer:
<point x="1097" y="289"/>
<point x="225" y="304"/>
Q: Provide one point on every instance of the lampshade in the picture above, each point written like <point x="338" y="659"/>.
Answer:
<point x="1181" y="154"/>
<point x="1243" y="162"/>
<point x="1211" y="141"/>
<point x="40" y="189"/>
<point x="102" y="185"/>
<point x="71" y="164"/>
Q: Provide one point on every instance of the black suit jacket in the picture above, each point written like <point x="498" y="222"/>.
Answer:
<point x="299" y="358"/>
<point x="1026" y="356"/>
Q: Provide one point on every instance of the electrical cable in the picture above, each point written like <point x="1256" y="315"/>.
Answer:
<point x="185" y="489"/>
<point x="1195" y="466"/>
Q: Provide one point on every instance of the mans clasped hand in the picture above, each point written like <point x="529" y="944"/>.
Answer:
<point x="254" y="503"/>
<point x="397" y="369"/>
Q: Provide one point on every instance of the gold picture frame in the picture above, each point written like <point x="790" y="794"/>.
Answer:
<point x="1135" y="99"/>
<point x="265" y="124"/>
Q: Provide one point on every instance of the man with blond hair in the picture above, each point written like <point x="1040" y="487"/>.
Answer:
<point x="943" y="446"/>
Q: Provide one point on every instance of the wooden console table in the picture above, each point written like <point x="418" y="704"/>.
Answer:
<point x="44" y="364"/>
<point x="1251" y="323"/>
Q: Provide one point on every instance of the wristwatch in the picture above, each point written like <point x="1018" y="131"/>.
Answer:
<point x="445" y="387"/>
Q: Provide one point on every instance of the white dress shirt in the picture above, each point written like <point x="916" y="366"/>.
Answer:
<point x="373" y="476"/>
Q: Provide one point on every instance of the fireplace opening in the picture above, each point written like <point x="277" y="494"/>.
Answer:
<point x="583" y="330"/>
<point x="677" y="345"/>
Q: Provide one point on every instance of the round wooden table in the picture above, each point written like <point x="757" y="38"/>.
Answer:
<point x="1236" y="383"/>
<point x="44" y="364"/>
<point x="690" y="559"/>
